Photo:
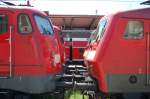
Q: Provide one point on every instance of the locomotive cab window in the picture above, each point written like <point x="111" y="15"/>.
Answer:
<point x="24" y="24"/>
<point x="93" y="33"/>
<point x="44" y="25"/>
<point x="3" y="23"/>
<point x="100" y="30"/>
<point x="134" y="30"/>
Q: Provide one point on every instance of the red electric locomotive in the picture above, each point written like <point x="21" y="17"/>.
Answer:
<point x="118" y="55"/>
<point x="28" y="51"/>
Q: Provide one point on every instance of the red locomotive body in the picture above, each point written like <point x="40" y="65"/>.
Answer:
<point x="28" y="55"/>
<point x="118" y="55"/>
<point x="61" y="47"/>
<point x="75" y="42"/>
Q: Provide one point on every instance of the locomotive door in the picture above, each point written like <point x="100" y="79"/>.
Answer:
<point x="5" y="45"/>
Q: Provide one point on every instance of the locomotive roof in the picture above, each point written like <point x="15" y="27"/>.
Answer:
<point x="136" y="13"/>
<point x="20" y="8"/>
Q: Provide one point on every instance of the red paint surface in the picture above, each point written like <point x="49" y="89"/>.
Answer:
<point x="32" y="54"/>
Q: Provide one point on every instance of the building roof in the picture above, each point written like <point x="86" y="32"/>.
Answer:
<point x="75" y="21"/>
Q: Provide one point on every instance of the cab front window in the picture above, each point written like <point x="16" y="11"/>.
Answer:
<point x="93" y="35"/>
<point x="98" y="33"/>
<point x="44" y="25"/>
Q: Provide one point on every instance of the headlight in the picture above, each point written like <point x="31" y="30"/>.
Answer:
<point x="91" y="55"/>
<point x="57" y="58"/>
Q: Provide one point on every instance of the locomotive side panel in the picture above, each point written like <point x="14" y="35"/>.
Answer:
<point x="125" y="59"/>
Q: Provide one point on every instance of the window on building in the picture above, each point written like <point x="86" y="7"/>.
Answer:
<point x="24" y="24"/>
<point x="44" y="25"/>
<point x="3" y="23"/>
<point x="134" y="30"/>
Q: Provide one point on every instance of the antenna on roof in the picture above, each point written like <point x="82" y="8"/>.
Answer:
<point x="96" y="11"/>
<point x="28" y="3"/>
<point x="145" y="3"/>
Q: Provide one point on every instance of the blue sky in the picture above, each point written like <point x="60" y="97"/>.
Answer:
<point x="85" y="7"/>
